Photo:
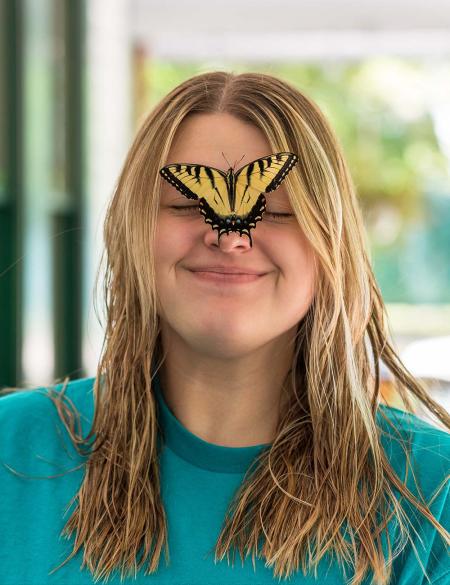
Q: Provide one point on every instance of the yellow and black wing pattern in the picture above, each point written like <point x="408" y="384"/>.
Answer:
<point x="231" y="201"/>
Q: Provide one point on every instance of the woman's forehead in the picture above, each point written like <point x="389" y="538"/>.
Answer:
<point x="217" y="140"/>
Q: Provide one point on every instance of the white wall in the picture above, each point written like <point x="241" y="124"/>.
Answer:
<point x="109" y="127"/>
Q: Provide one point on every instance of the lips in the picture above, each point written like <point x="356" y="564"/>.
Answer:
<point x="227" y="270"/>
<point x="224" y="278"/>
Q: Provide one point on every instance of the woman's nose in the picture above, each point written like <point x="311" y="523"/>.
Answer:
<point x="228" y="241"/>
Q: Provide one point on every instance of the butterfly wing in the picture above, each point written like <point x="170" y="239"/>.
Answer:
<point x="196" y="181"/>
<point x="262" y="175"/>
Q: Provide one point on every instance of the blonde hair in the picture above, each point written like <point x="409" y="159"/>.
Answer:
<point x="301" y="492"/>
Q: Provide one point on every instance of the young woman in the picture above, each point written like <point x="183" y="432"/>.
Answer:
<point x="230" y="412"/>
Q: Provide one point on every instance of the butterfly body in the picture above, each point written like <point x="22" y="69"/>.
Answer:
<point x="231" y="201"/>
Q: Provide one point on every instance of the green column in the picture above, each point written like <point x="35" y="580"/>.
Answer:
<point x="68" y="221"/>
<point x="11" y="191"/>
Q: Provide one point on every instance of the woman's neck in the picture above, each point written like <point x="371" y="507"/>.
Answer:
<point x="237" y="409"/>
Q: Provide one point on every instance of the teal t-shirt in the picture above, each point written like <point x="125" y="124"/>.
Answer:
<point x="198" y="480"/>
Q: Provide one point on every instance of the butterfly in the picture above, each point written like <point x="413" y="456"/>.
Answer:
<point x="231" y="201"/>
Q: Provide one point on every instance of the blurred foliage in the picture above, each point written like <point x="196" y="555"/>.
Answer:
<point x="383" y="112"/>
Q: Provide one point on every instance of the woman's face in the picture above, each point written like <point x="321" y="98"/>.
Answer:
<point x="221" y="318"/>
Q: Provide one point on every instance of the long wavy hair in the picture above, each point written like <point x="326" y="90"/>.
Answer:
<point x="301" y="492"/>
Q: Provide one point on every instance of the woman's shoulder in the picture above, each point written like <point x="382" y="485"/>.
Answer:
<point x="32" y="400"/>
<point x="428" y="444"/>
<point x="395" y="423"/>
<point x="419" y="452"/>
<point x="28" y="417"/>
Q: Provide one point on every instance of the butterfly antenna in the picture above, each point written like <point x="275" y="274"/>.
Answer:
<point x="239" y="160"/>
<point x="226" y="160"/>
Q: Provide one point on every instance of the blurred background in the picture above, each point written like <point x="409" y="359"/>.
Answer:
<point x="77" y="79"/>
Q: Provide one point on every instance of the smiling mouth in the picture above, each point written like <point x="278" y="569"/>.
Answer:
<point x="226" y="269"/>
<point x="225" y="277"/>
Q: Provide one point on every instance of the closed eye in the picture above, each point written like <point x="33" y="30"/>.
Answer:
<point x="184" y="207"/>
<point x="273" y="214"/>
<point x="192" y="207"/>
